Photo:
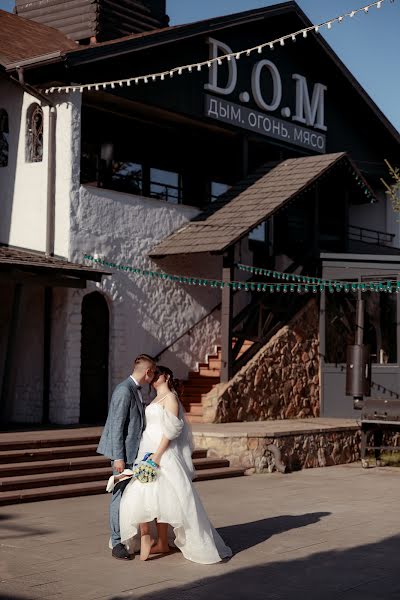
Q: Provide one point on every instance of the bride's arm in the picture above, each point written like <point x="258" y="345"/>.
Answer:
<point x="170" y="404"/>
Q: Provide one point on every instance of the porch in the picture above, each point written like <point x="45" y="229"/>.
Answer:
<point x="32" y="287"/>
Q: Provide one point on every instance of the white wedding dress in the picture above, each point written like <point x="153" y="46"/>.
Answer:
<point x="171" y="498"/>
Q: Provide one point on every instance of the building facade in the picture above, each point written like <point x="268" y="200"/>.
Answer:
<point x="265" y="160"/>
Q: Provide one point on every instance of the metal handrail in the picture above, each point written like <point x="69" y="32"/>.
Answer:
<point x="167" y="187"/>
<point x="377" y="237"/>
<point x="188" y="331"/>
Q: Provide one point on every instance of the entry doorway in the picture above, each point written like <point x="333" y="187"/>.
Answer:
<point x="94" y="359"/>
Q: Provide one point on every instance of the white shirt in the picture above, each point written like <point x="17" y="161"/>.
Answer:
<point x="138" y="391"/>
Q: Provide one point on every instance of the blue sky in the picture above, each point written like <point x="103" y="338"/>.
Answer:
<point x="369" y="44"/>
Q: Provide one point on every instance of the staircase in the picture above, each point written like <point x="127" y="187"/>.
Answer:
<point x="202" y="381"/>
<point x="45" y="465"/>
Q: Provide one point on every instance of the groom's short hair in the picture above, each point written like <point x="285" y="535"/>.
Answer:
<point x="143" y="358"/>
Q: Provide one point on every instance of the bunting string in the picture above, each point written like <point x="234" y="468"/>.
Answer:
<point x="294" y="277"/>
<point x="198" y="66"/>
<point x="313" y="284"/>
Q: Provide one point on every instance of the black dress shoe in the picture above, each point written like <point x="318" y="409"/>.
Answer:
<point x="121" y="553"/>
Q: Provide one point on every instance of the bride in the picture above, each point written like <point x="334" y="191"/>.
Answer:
<point x="171" y="499"/>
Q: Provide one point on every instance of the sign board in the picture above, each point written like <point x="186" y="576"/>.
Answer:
<point x="302" y="124"/>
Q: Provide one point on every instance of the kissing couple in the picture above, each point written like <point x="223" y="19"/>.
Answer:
<point x="149" y="513"/>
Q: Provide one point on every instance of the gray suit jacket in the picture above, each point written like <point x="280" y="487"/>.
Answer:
<point x="125" y="423"/>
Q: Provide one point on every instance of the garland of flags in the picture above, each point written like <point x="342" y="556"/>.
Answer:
<point x="290" y="282"/>
<point x="189" y="68"/>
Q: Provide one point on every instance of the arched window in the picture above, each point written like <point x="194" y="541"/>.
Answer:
<point x="34" y="134"/>
<point x="3" y="138"/>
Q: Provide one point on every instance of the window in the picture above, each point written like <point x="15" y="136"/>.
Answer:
<point x="217" y="189"/>
<point x="34" y="134"/>
<point x="127" y="177"/>
<point x="259" y="233"/>
<point x="3" y="138"/>
<point x="166" y="185"/>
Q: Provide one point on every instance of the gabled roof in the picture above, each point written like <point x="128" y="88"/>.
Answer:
<point x="45" y="40"/>
<point x="166" y="35"/>
<point x="21" y="39"/>
<point x="257" y="198"/>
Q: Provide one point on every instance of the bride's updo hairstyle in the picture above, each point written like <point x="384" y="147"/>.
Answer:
<point x="175" y="385"/>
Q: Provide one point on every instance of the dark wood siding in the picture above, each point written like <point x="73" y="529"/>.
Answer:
<point x="102" y="19"/>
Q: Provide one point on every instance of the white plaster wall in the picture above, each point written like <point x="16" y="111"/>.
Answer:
<point x="146" y="315"/>
<point x="23" y="185"/>
<point x="68" y="146"/>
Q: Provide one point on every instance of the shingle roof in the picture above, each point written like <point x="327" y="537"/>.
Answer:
<point x="21" y="39"/>
<point x="255" y="199"/>
<point x="34" y="261"/>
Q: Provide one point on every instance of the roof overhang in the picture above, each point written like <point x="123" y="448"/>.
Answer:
<point x="253" y="201"/>
<point x="354" y="266"/>
<point x="31" y="268"/>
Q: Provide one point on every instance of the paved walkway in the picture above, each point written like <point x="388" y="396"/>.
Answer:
<point x="320" y="534"/>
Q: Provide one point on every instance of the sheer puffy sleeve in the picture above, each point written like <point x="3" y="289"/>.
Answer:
<point x="171" y="425"/>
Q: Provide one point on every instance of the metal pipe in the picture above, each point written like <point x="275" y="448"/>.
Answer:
<point x="359" y="337"/>
<point x="51" y="183"/>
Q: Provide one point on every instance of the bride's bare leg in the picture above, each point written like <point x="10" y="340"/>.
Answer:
<point x="162" y="543"/>
<point x="146" y="541"/>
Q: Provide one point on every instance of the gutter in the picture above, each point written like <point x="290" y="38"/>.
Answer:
<point x="43" y="59"/>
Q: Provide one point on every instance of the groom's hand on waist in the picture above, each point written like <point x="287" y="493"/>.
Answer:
<point x="119" y="465"/>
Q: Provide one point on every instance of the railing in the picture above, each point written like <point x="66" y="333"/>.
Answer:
<point x="188" y="331"/>
<point x="261" y="319"/>
<point x="167" y="194"/>
<point x="370" y="236"/>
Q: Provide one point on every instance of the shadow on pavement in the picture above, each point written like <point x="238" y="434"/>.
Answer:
<point x="10" y="528"/>
<point x="367" y="572"/>
<point x="244" y="536"/>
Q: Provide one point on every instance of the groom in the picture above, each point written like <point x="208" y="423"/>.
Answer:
<point x="121" y="436"/>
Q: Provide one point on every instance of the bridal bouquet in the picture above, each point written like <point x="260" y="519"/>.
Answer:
<point x="146" y="470"/>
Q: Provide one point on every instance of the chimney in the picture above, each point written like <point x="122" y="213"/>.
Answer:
<point x="88" y="21"/>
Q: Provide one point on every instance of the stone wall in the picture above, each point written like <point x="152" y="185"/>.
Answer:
<point x="298" y="450"/>
<point x="280" y="382"/>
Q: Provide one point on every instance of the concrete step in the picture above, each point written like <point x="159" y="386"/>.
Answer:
<point x="32" y="481"/>
<point x="47" y="439"/>
<point x="51" y="493"/>
<point x="214" y="363"/>
<point x="202" y="464"/>
<point x="199" y="453"/>
<point x="52" y="466"/>
<point x="204" y="371"/>
<point x="34" y="454"/>
<point x="222" y="473"/>
<point x="23" y="481"/>
<point x="196" y="377"/>
<point x="206" y="468"/>
<point x="196" y="409"/>
<point x="197" y="389"/>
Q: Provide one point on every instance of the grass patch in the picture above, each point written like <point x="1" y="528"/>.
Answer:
<point x="391" y="459"/>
